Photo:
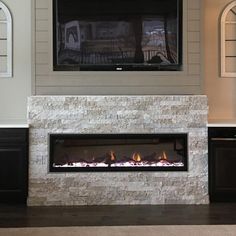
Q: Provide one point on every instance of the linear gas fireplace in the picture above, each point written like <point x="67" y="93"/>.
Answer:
<point x="118" y="152"/>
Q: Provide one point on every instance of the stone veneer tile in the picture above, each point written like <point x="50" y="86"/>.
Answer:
<point x="118" y="114"/>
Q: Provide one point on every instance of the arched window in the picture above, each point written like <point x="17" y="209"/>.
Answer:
<point x="228" y="41"/>
<point x="5" y="41"/>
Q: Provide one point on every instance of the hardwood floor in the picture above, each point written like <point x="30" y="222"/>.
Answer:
<point x="21" y="216"/>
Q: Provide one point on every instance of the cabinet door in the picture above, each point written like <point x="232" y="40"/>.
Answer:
<point x="222" y="170"/>
<point x="13" y="173"/>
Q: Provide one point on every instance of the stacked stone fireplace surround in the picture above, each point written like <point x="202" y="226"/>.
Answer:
<point x="118" y="114"/>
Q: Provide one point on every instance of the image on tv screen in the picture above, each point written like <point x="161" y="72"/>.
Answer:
<point x="133" y="38"/>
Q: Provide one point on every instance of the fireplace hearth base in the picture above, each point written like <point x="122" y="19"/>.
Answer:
<point x="83" y="115"/>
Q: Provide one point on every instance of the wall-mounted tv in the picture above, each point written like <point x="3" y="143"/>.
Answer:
<point x="117" y="35"/>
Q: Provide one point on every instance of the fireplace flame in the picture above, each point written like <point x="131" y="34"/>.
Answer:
<point x="136" y="157"/>
<point x="163" y="157"/>
<point x="112" y="156"/>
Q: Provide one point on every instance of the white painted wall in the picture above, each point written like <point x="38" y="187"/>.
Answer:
<point x="14" y="91"/>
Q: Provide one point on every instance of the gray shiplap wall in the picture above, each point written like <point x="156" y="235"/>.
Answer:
<point x="49" y="82"/>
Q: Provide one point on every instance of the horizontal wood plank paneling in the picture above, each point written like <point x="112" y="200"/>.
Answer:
<point x="194" y="26"/>
<point x="42" y="25"/>
<point x="194" y="47"/>
<point x="194" y="36"/>
<point x="49" y="82"/>
<point x="106" y="90"/>
<point x="193" y="4"/>
<point x="42" y="36"/>
<point x="194" y="58"/>
<point x="193" y="14"/>
<point x="41" y="47"/>
<point x="42" y="58"/>
<point x="42" y="3"/>
<point x="194" y="69"/>
<point x="42" y="13"/>
<point x="113" y="81"/>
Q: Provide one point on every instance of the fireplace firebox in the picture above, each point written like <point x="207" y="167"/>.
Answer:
<point x="118" y="152"/>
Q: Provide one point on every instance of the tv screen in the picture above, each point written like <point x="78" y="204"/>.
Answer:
<point x="117" y="35"/>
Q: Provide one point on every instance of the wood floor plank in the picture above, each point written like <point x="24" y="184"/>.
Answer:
<point x="213" y="214"/>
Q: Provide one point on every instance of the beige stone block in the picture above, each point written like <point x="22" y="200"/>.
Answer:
<point x="36" y="201"/>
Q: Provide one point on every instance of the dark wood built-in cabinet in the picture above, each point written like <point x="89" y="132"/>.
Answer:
<point x="222" y="164"/>
<point x="13" y="165"/>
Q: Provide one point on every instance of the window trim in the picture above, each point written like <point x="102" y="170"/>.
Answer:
<point x="8" y="22"/>
<point x="227" y="9"/>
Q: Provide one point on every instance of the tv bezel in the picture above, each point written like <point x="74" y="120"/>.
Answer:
<point x="120" y="66"/>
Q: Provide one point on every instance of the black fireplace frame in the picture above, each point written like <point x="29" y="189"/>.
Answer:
<point x="53" y="136"/>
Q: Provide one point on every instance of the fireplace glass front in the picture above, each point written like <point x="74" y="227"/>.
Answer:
<point x="118" y="152"/>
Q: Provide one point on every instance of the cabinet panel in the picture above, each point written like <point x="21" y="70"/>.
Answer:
<point x="222" y="163"/>
<point x="225" y="161"/>
<point x="13" y="166"/>
<point x="10" y="159"/>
